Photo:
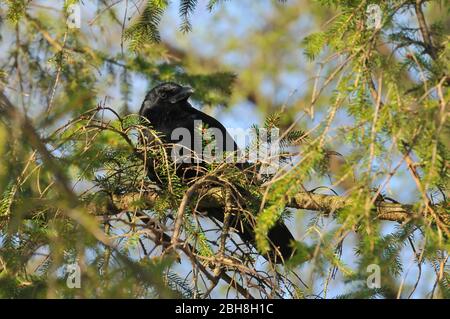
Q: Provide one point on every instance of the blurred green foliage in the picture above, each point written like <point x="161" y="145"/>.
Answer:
<point x="390" y="85"/>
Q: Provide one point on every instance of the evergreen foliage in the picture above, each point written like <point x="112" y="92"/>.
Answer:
<point x="75" y="186"/>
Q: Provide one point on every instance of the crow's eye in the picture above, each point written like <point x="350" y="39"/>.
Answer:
<point x="163" y="95"/>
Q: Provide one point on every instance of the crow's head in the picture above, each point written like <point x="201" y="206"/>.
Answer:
<point x="166" y="94"/>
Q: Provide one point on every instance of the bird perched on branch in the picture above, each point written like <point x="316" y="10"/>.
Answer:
<point x="167" y="110"/>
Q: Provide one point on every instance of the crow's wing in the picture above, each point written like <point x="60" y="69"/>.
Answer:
<point x="202" y="129"/>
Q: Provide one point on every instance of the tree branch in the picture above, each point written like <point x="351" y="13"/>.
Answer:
<point x="330" y="205"/>
<point x="431" y="49"/>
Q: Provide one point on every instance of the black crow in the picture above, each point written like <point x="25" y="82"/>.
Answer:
<point x="167" y="110"/>
<point x="169" y="113"/>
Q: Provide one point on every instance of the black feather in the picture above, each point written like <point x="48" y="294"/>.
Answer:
<point x="167" y="110"/>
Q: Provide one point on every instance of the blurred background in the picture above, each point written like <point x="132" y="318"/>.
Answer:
<point x="257" y="49"/>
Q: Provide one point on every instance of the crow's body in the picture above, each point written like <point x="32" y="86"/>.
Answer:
<point x="166" y="119"/>
<point x="167" y="109"/>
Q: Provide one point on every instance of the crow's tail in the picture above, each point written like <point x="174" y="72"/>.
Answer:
<point x="279" y="236"/>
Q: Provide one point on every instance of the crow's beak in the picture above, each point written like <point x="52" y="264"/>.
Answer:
<point x="184" y="94"/>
